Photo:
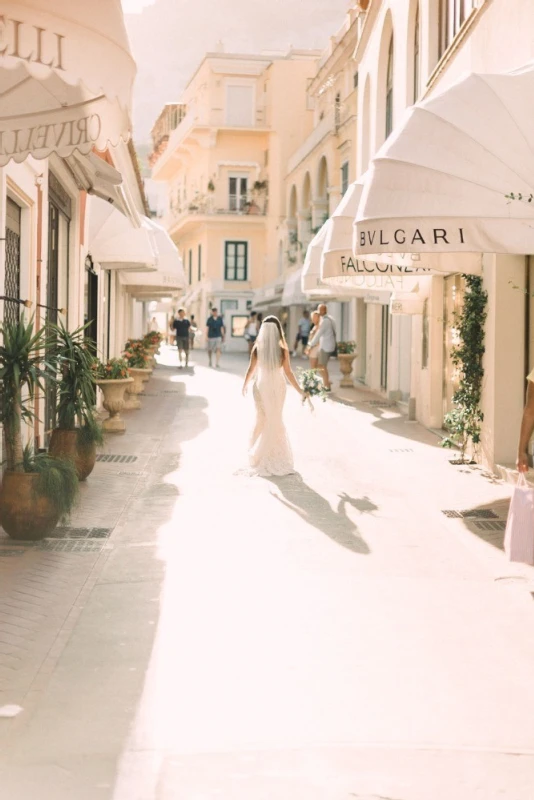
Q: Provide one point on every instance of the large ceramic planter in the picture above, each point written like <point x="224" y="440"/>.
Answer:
<point x="114" y="391"/>
<point x="25" y="514"/>
<point x="346" y="361"/>
<point x="136" y="388"/>
<point x="66" y="444"/>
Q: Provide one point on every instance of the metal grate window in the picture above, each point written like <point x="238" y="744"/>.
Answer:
<point x="12" y="260"/>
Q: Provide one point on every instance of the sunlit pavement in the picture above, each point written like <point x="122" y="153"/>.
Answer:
<point x="326" y="636"/>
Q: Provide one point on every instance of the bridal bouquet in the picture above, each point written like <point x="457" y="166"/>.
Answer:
<point x="312" y="384"/>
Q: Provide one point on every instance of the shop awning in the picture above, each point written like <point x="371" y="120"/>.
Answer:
<point x="292" y="294"/>
<point x="97" y="177"/>
<point x="115" y="243"/>
<point x="311" y="271"/>
<point x="66" y="77"/>
<point x="440" y="182"/>
<point x="169" y="275"/>
<point x="339" y="264"/>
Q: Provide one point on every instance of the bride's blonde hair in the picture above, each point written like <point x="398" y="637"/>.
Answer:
<point x="270" y="344"/>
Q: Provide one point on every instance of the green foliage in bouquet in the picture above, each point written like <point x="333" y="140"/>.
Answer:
<point x="311" y="382"/>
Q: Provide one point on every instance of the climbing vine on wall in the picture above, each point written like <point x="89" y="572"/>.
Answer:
<point x="464" y="422"/>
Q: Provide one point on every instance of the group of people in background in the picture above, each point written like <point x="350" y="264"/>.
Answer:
<point x="316" y="336"/>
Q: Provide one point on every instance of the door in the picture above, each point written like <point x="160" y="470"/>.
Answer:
<point x="238" y="191"/>
<point x="384" y="348"/>
<point x="57" y="291"/>
<point x="91" y="303"/>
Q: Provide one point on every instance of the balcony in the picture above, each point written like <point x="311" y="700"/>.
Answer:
<point x="325" y="127"/>
<point x="204" y="210"/>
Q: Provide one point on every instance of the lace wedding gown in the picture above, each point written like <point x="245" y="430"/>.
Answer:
<point x="270" y="451"/>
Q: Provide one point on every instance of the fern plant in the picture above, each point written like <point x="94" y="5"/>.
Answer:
<point x="75" y="388"/>
<point x="57" y="480"/>
<point x="24" y="367"/>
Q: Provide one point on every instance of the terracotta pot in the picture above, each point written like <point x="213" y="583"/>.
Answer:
<point x="114" y="391"/>
<point x="65" y="444"/>
<point x="346" y="361"/>
<point x="136" y="388"/>
<point x="24" y="514"/>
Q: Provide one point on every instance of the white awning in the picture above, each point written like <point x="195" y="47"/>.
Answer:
<point x="338" y="264"/>
<point x="169" y="274"/>
<point x="115" y="243"/>
<point x="440" y="182"/>
<point x="311" y="271"/>
<point x="66" y="77"/>
<point x="99" y="178"/>
<point x="292" y="294"/>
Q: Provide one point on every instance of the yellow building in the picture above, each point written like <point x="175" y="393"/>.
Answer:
<point x="323" y="165"/>
<point x="223" y="154"/>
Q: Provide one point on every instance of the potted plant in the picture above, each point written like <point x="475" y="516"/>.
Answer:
<point x="346" y="353"/>
<point x="211" y="186"/>
<point x="113" y="378"/>
<point x="78" y="433"/>
<point x="152" y="341"/>
<point x="36" y="491"/>
<point x="138" y="359"/>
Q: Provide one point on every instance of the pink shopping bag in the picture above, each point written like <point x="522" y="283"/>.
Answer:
<point x="519" y="536"/>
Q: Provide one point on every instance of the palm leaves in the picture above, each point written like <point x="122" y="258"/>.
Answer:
<point x="23" y="368"/>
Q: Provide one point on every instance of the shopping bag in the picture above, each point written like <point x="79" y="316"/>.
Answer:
<point x="519" y="536"/>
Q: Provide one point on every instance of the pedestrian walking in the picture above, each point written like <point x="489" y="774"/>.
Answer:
<point x="325" y="337"/>
<point x="215" y="333"/>
<point x="313" y="352"/>
<point x="303" y="333"/>
<point x="154" y="327"/>
<point x="193" y="330"/>
<point x="270" y="366"/>
<point x="251" y="331"/>
<point x="181" y="325"/>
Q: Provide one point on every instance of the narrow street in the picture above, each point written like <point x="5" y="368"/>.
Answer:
<point x="326" y="636"/>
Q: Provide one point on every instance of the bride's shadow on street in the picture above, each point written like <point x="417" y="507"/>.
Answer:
<point x="315" y="510"/>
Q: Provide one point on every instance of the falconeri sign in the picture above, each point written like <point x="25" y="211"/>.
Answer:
<point x="65" y="78"/>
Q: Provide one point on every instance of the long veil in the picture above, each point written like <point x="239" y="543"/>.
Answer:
<point x="268" y="347"/>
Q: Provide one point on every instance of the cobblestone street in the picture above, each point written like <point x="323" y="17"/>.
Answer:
<point x="201" y="634"/>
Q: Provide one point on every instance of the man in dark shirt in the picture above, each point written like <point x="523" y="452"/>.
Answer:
<point x="181" y="325"/>
<point x="215" y="333"/>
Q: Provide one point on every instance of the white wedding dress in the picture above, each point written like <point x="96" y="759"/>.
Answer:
<point x="270" y="450"/>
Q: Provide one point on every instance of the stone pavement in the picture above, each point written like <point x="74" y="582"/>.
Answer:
<point x="330" y="635"/>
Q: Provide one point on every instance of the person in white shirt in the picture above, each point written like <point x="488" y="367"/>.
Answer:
<point x="325" y="337"/>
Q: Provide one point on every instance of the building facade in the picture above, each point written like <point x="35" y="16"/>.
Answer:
<point x="222" y="154"/>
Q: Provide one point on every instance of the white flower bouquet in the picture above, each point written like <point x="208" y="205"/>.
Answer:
<point x="311" y="383"/>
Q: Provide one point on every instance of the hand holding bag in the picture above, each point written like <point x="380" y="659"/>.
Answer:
<point x="519" y="536"/>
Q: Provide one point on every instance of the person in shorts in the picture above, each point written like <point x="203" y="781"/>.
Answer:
<point x="303" y="334"/>
<point x="181" y="326"/>
<point x="192" y="332"/>
<point x="215" y="333"/>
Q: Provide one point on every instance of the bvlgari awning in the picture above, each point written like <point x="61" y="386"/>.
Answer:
<point x="347" y="286"/>
<point x="440" y="182"/>
<point x="338" y="264"/>
<point x="66" y="77"/>
<point x="169" y="274"/>
<point x="115" y="243"/>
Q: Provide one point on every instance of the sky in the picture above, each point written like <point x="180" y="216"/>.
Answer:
<point x="135" y="6"/>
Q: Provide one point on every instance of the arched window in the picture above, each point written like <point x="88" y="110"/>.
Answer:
<point x="416" y="57"/>
<point x="389" y="90"/>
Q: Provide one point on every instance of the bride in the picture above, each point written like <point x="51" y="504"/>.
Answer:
<point x="270" y="366"/>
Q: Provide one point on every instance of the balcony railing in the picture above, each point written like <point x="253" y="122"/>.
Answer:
<point x="202" y="208"/>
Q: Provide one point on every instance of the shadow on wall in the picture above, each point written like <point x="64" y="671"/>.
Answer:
<point x="316" y="511"/>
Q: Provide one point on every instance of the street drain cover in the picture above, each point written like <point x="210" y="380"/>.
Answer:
<point x="499" y="525"/>
<point x="6" y="552"/>
<point x="116" y="459"/>
<point x="401" y="450"/>
<point x="476" y="513"/>
<point x="80" y="533"/>
<point x="71" y="545"/>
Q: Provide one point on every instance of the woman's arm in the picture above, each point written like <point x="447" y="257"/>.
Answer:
<point x="290" y="374"/>
<point x="527" y="427"/>
<point x="253" y="363"/>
